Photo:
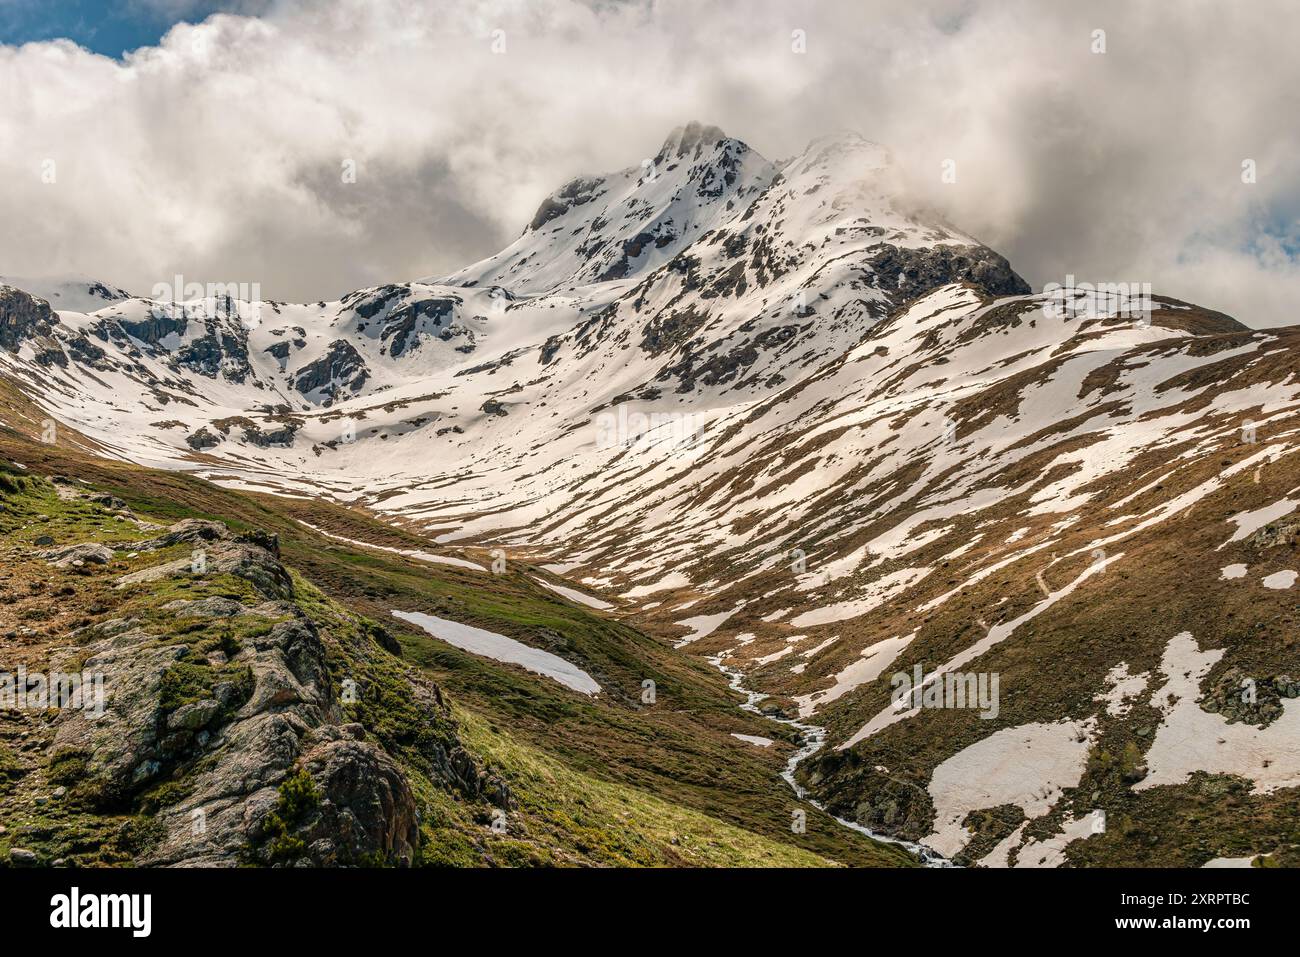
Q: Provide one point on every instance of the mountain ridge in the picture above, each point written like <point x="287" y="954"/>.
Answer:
<point x="785" y="424"/>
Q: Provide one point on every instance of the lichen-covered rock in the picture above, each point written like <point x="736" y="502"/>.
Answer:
<point x="193" y="716"/>
<point x="88" y="553"/>
<point x="215" y="551"/>
<point x="118" y="748"/>
<point x="243" y="755"/>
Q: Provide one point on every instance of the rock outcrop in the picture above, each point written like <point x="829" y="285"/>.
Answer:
<point x="246" y="750"/>
<point x="22" y="317"/>
<point x="339" y="371"/>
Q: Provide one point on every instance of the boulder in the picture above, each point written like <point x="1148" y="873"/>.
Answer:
<point x="88" y="553"/>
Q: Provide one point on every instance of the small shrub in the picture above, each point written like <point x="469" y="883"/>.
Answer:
<point x="298" y="801"/>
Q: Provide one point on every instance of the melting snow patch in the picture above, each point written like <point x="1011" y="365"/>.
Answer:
<point x="1028" y="766"/>
<point x="703" y="625"/>
<point x="754" y="739"/>
<point x="418" y="555"/>
<point x="877" y="593"/>
<point x="1121" y="686"/>
<point x="1051" y="851"/>
<point x="870" y="666"/>
<point x="671" y="580"/>
<point x="1190" y="739"/>
<point x="1232" y="571"/>
<point x="775" y="656"/>
<point x="500" y="648"/>
<point x="998" y="633"/>
<point x="1280" y="581"/>
<point x="575" y="595"/>
<point x="819" y="648"/>
<point x="1250" y="522"/>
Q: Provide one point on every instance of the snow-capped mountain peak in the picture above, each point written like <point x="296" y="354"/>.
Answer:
<point x="703" y="272"/>
<point x="846" y="430"/>
<point x="616" y="226"/>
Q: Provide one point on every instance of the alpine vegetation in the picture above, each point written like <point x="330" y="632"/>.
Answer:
<point x="730" y="463"/>
<point x="739" y="510"/>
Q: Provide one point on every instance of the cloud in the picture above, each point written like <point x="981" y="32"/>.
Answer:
<point x="219" y="153"/>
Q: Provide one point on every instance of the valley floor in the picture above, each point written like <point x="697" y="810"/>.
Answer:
<point x="504" y="766"/>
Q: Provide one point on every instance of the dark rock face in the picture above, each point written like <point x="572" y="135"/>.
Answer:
<point x="668" y="330"/>
<point x="340" y="368"/>
<point x="202" y="439"/>
<point x="202" y="356"/>
<point x="281" y="437"/>
<point x="659" y="237"/>
<point x="82" y="350"/>
<point x="910" y="273"/>
<point x="22" y="317"/>
<point x="51" y="356"/>
<point x="218" y="351"/>
<point x="99" y="290"/>
<point x="367" y="809"/>
<point x="719" y="368"/>
<point x="549" y="348"/>
<point x="577" y="192"/>
<point x="403" y="324"/>
<point x="155" y="328"/>
<point x="902" y="274"/>
<point x="368" y="304"/>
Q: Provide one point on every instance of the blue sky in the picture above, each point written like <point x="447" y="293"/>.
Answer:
<point x="109" y="27"/>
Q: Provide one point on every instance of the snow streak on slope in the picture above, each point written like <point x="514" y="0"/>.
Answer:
<point x="845" y="435"/>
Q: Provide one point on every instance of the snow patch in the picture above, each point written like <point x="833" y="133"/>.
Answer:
<point x="500" y="648"/>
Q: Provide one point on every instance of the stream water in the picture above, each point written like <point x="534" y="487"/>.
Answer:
<point x="814" y="739"/>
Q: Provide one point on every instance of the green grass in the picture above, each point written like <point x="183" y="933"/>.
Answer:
<point x="598" y="781"/>
<point x="565" y="816"/>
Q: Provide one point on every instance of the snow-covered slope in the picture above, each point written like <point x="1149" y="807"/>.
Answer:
<point x="709" y="274"/>
<point x="843" y="434"/>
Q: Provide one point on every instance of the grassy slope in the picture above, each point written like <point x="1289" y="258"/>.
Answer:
<point x="609" y="781"/>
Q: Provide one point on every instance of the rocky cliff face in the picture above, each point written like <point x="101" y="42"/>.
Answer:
<point x="339" y="371"/>
<point x="234" y="703"/>
<point x="23" y="317"/>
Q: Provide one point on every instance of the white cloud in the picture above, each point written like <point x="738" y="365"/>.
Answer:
<point x="218" y="154"/>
